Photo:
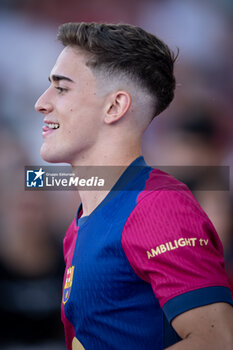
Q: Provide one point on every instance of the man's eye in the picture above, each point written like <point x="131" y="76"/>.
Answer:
<point x="60" y="89"/>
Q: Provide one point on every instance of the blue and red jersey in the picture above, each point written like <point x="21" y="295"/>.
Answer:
<point x="145" y="255"/>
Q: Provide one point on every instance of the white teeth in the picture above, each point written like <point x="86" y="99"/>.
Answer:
<point x="53" y="126"/>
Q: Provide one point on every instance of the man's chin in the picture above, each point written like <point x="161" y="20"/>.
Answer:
<point x="51" y="157"/>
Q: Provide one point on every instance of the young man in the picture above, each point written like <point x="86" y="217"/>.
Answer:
<point x="144" y="265"/>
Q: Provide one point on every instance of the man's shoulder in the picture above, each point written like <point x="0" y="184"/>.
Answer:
<point x="160" y="182"/>
<point x="166" y="199"/>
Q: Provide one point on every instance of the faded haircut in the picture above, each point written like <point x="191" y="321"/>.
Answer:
<point x="123" y="49"/>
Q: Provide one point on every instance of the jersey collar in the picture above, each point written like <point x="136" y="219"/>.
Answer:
<point x="122" y="183"/>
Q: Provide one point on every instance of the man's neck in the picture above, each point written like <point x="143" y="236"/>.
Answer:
<point x="111" y="171"/>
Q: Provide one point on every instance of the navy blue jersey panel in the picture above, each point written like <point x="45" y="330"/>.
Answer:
<point x="109" y="306"/>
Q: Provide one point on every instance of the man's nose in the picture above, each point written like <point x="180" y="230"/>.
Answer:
<point x="43" y="105"/>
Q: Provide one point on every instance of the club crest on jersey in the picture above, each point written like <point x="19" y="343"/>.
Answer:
<point x="68" y="284"/>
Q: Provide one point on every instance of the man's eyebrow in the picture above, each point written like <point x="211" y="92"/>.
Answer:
<point x="55" y="77"/>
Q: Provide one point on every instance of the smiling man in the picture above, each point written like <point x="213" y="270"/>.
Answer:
<point x="144" y="265"/>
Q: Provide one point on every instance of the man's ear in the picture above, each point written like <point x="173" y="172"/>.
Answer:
<point x="118" y="105"/>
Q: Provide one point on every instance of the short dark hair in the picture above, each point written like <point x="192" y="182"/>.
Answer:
<point x="127" y="49"/>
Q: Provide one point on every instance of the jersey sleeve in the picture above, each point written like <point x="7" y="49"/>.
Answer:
<point x="170" y="242"/>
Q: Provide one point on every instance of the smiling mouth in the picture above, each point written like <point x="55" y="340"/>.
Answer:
<point x="50" y="128"/>
<point x="53" y="126"/>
